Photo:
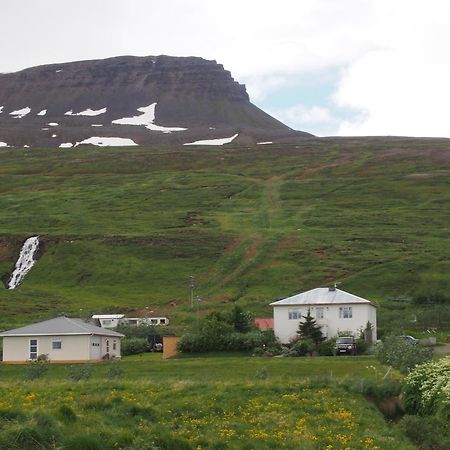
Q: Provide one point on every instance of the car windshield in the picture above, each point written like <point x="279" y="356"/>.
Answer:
<point x="345" y="340"/>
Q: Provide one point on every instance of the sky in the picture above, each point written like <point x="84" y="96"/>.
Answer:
<point x="329" y="67"/>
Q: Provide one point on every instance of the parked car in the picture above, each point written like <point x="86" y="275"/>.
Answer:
<point x="410" y="340"/>
<point x="345" y="345"/>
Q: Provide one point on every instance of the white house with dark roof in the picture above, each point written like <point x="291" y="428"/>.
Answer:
<point x="334" y="310"/>
<point x="62" y="340"/>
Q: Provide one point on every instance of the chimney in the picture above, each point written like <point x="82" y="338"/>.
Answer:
<point x="332" y="288"/>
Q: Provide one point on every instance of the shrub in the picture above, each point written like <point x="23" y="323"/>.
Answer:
<point x="426" y="432"/>
<point x="140" y="331"/>
<point x="326" y="348"/>
<point x="261" y="374"/>
<point x="426" y="389"/>
<point x="37" y="369"/>
<point x="134" y="346"/>
<point x="361" y="346"/>
<point x="81" y="372"/>
<point x="401" y="355"/>
<point x="302" y="347"/>
<point x="381" y="390"/>
<point x="227" y="340"/>
<point x="115" y="372"/>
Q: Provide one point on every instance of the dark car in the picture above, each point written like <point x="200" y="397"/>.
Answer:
<point x="345" y="345"/>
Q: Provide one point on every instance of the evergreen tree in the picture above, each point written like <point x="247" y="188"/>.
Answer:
<point x="308" y="329"/>
<point x="242" y="321"/>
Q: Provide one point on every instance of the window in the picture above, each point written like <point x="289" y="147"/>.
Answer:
<point x="154" y="321"/>
<point x="345" y="312"/>
<point x="106" y="322"/>
<point x="295" y="314"/>
<point x="95" y="344"/>
<point x="56" y="344"/>
<point x="319" y="313"/>
<point x="162" y="321"/>
<point x="33" y="348"/>
<point x="107" y="346"/>
<point x="114" y="345"/>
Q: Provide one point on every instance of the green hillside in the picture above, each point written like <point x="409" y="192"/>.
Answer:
<point x="124" y="229"/>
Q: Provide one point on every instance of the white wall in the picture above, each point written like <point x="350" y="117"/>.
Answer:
<point x="73" y="348"/>
<point x="109" y="348"/>
<point x="286" y="329"/>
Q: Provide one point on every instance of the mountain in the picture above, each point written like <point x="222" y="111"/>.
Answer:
<point x="137" y="100"/>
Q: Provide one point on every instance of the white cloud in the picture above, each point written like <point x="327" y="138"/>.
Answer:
<point x="316" y="119"/>
<point x="392" y="56"/>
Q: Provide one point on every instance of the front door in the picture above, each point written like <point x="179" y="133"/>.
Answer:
<point x="95" y="347"/>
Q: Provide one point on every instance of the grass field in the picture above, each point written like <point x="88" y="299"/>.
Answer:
<point x="230" y="402"/>
<point x="123" y="229"/>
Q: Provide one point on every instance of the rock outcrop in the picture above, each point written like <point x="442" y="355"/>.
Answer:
<point x="144" y="100"/>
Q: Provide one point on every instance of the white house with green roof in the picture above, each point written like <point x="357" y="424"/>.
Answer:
<point x="334" y="310"/>
<point x="62" y="340"/>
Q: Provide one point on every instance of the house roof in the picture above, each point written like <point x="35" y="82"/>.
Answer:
<point x="108" y="316"/>
<point x="264" y="323"/>
<point x="322" y="296"/>
<point x="60" y="326"/>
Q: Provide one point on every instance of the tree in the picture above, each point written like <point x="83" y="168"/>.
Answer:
<point x="401" y="355"/>
<point x="308" y="329"/>
<point x="240" y="319"/>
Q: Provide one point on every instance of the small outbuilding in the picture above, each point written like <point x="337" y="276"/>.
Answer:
<point x="62" y="340"/>
<point x="333" y="309"/>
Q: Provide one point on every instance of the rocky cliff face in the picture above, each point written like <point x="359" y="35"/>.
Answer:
<point x="143" y="100"/>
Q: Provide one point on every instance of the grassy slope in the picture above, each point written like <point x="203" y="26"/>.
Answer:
<point x="125" y="228"/>
<point x="207" y="403"/>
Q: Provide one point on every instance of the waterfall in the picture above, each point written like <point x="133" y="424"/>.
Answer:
<point x="25" y="262"/>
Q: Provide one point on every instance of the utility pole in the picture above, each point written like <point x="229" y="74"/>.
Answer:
<point x="192" y="286"/>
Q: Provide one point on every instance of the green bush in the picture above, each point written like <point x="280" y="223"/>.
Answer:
<point x="36" y="369"/>
<point x="426" y="389"/>
<point x="361" y="346"/>
<point x="78" y="373"/>
<point x="302" y="347"/>
<point x="426" y="432"/>
<point x="223" y="339"/>
<point x="381" y="390"/>
<point x="115" y="372"/>
<point x="326" y="348"/>
<point x="134" y="346"/>
<point x="401" y="355"/>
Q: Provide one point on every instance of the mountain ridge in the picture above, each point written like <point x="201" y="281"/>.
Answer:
<point x="52" y="104"/>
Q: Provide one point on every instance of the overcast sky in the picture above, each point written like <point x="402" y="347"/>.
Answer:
<point x="330" y="67"/>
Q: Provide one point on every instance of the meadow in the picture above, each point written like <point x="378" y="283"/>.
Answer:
<point x="233" y="402"/>
<point x="124" y="229"/>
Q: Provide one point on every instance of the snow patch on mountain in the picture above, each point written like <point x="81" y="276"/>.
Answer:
<point x="147" y="119"/>
<point x="42" y="113"/>
<point x="3" y="144"/>
<point x="86" y="112"/>
<point x="19" y="113"/>
<point x="107" y="141"/>
<point x="221" y="141"/>
<point x="66" y="145"/>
